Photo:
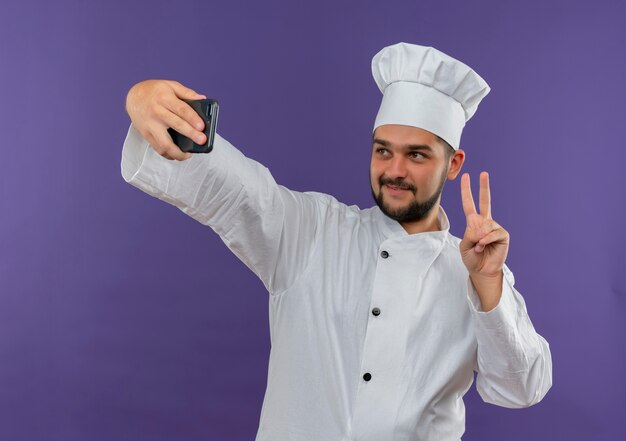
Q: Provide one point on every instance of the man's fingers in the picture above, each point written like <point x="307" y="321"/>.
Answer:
<point x="466" y="195"/>
<point x="486" y="226"/>
<point x="185" y="92"/>
<point x="165" y="147"/>
<point x="497" y="235"/>
<point x="479" y="227"/>
<point x="181" y="126"/>
<point x="485" y="196"/>
<point x="185" y="112"/>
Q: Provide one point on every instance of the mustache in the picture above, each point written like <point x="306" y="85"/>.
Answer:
<point x="398" y="182"/>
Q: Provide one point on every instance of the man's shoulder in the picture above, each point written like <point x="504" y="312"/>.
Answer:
<point x="331" y="202"/>
<point x="329" y="207"/>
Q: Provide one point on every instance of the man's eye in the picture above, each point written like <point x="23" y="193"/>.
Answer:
<point x="381" y="151"/>
<point x="416" y="155"/>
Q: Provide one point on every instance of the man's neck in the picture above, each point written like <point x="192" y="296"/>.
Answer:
<point x="429" y="223"/>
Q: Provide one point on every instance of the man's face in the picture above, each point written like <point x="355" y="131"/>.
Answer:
<point x="408" y="170"/>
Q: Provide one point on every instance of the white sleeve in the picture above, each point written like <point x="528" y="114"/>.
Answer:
<point x="269" y="227"/>
<point x="514" y="361"/>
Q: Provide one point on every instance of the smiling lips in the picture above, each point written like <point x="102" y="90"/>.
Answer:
<point x="396" y="191"/>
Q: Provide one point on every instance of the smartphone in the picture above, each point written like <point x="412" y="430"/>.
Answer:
<point x="208" y="110"/>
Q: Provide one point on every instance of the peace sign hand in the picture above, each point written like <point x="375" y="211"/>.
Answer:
<point x="485" y="243"/>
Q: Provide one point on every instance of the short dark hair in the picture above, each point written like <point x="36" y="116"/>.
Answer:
<point x="447" y="147"/>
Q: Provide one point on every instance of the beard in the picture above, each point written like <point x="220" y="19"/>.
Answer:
<point x="416" y="210"/>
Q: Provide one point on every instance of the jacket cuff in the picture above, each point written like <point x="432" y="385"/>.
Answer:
<point x="141" y="166"/>
<point x="503" y="313"/>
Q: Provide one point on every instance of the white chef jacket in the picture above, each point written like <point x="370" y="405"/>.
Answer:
<point x="375" y="333"/>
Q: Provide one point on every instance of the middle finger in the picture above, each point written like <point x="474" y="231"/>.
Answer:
<point x="485" y="195"/>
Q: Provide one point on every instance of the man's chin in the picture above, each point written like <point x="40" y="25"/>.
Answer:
<point x="394" y="210"/>
<point x="410" y="211"/>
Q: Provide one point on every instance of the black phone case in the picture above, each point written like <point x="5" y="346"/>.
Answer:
<point x="208" y="110"/>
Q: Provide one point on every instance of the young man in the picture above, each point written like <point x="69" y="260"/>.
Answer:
<point x="378" y="317"/>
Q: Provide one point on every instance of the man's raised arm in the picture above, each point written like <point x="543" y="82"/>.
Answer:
<point x="269" y="227"/>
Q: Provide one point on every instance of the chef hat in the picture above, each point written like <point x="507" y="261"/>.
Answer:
<point x="423" y="87"/>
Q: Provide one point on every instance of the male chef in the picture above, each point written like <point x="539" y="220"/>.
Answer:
<point x="379" y="317"/>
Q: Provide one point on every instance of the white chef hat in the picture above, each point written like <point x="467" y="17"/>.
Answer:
<point x="423" y="87"/>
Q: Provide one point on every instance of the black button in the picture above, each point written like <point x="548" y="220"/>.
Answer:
<point x="367" y="376"/>
<point x="384" y="254"/>
<point x="376" y="311"/>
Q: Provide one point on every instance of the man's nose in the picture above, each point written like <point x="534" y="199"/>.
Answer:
<point x="397" y="168"/>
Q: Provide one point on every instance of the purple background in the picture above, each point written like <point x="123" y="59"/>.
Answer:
<point x="123" y="319"/>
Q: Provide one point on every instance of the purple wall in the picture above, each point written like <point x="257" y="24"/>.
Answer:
<point x="107" y="332"/>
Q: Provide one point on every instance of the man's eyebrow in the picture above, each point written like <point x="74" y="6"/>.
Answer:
<point x="409" y="147"/>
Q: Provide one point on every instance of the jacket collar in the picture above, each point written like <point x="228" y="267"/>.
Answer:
<point x="391" y="229"/>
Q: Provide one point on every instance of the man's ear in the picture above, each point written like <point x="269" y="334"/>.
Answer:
<point x="456" y="162"/>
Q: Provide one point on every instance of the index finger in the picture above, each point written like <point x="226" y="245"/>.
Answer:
<point x="185" y="112"/>
<point x="466" y="195"/>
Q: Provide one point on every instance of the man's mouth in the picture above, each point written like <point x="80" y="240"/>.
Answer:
<point x="395" y="190"/>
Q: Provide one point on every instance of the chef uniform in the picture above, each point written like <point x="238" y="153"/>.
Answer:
<point x="375" y="333"/>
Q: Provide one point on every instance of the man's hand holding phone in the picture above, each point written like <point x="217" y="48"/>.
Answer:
<point x="154" y="106"/>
